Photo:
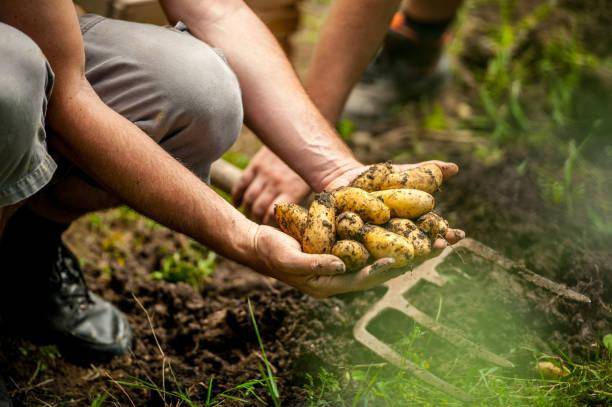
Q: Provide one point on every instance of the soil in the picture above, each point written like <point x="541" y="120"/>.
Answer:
<point x="188" y="336"/>
<point x="207" y="333"/>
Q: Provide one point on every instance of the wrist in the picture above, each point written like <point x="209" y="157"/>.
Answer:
<point x="336" y="170"/>
<point x="245" y="248"/>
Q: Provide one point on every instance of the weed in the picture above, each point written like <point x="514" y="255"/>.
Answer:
<point x="99" y="400"/>
<point x="269" y="377"/>
<point x="187" y="265"/>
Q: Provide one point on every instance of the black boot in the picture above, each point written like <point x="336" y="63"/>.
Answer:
<point x="43" y="293"/>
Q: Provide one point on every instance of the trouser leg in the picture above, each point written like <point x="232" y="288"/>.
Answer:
<point x="175" y="88"/>
<point x="25" y="85"/>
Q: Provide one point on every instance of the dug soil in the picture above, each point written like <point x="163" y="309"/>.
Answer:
<point x="194" y="336"/>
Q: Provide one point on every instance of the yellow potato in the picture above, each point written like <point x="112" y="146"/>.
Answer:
<point x="382" y="243"/>
<point x="320" y="232"/>
<point x="406" y="203"/>
<point x="348" y="226"/>
<point x="352" y="253"/>
<point x="373" y="177"/>
<point x="433" y="224"/>
<point x="357" y="200"/>
<point x="401" y="226"/>
<point x="291" y="219"/>
<point x="408" y="229"/>
<point x="427" y="178"/>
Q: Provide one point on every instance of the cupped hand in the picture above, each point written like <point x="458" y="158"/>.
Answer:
<point x="448" y="171"/>
<point x="267" y="181"/>
<point x="319" y="275"/>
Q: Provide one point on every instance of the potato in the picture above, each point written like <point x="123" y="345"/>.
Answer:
<point x="433" y="224"/>
<point x="427" y="178"/>
<point x="352" y="253"/>
<point x="291" y="219"/>
<point x="373" y="177"/>
<point x="382" y="243"/>
<point x="401" y="226"/>
<point x="348" y="226"/>
<point x="406" y="203"/>
<point x="368" y="207"/>
<point x="408" y="229"/>
<point x="320" y="232"/>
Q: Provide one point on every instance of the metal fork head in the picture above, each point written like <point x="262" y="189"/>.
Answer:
<point x="395" y="299"/>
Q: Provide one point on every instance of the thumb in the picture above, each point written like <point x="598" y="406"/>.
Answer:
<point x="319" y="264"/>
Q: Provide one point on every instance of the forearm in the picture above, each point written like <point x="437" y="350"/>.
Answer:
<point x="126" y="162"/>
<point x="349" y="39"/>
<point x="276" y="105"/>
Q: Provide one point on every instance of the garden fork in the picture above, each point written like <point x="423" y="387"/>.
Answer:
<point x="395" y="299"/>
<point x="225" y="176"/>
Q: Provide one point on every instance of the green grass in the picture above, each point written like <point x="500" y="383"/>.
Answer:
<point x="270" y="380"/>
<point x="190" y="265"/>
<point x="382" y="385"/>
<point x="246" y="393"/>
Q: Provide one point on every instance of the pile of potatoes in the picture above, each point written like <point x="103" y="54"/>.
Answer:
<point x="382" y="213"/>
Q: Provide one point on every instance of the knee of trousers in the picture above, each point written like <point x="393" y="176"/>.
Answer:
<point x="204" y="104"/>
<point x="25" y="81"/>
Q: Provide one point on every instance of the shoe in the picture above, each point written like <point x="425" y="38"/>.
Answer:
<point x="45" y="295"/>
<point x="404" y="69"/>
<point x="5" y="399"/>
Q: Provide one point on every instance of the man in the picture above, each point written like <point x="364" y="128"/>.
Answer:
<point x="135" y="114"/>
<point x="410" y="62"/>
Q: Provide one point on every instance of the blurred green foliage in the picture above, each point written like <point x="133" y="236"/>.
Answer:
<point x="189" y="265"/>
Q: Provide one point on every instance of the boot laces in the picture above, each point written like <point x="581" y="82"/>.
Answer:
<point x="68" y="280"/>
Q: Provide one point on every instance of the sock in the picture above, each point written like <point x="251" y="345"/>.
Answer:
<point x="421" y="31"/>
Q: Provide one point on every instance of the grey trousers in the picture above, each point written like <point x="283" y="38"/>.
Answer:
<point x="174" y="87"/>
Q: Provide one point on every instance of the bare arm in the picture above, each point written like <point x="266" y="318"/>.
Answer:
<point x="276" y="105"/>
<point x="130" y="165"/>
<point x="113" y="150"/>
<point x="349" y="39"/>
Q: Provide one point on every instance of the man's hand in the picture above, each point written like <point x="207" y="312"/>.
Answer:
<point x="267" y="181"/>
<point x="319" y="275"/>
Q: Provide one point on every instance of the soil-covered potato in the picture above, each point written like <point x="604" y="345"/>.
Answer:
<point x="367" y="206"/>
<point x="291" y="219"/>
<point x="348" y="226"/>
<point x="373" y="177"/>
<point x="320" y="232"/>
<point x="408" y="229"/>
<point x="383" y="243"/>
<point x="427" y="178"/>
<point x="352" y="253"/>
<point x="432" y="224"/>
<point x="406" y="203"/>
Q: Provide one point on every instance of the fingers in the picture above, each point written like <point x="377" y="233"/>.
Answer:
<point x="256" y="187"/>
<point x="379" y="266"/>
<point x="324" y="265"/>
<point x="439" y="244"/>
<point x="268" y="218"/>
<point x="452" y="236"/>
<point x="262" y="203"/>
<point x="242" y="185"/>
<point x="368" y="277"/>
<point x="448" y="169"/>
